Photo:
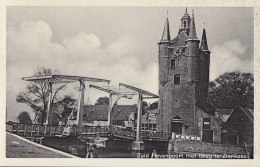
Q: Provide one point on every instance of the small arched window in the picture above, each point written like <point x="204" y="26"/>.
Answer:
<point x="177" y="79"/>
<point x="184" y="24"/>
<point x="173" y="64"/>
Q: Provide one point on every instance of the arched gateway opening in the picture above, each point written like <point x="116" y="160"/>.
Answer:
<point x="177" y="125"/>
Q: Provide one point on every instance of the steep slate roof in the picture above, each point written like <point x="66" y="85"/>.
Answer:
<point x="100" y="112"/>
<point x="186" y="14"/>
<point x="166" y="32"/>
<point x="224" y="111"/>
<point x="223" y="114"/>
<point x="179" y="40"/>
<point x="206" y="107"/>
<point x="204" y="44"/>
<point x="192" y="33"/>
<point x="236" y="120"/>
<point x="249" y="113"/>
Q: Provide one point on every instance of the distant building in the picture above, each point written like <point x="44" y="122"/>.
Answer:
<point x="150" y="117"/>
<point x="239" y="128"/>
<point x="183" y="83"/>
<point x="122" y="115"/>
<point x="223" y="114"/>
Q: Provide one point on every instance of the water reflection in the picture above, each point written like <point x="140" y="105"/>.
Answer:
<point x="115" y="148"/>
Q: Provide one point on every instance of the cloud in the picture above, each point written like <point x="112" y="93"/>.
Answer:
<point x="228" y="57"/>
<point x="30" y="45"/>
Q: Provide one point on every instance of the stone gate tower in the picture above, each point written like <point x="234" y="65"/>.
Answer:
<point x="183" y="80"/>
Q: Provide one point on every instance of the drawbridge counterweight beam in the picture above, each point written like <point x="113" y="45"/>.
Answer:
<point x="144" y="92"/>
<point x="53" y="78"/>
<point x="103" y="89"/>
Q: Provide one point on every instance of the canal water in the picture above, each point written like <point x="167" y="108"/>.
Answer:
<point x="115" y="148"/>
<point x="118" y="148"/>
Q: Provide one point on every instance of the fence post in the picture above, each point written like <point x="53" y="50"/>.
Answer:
<point x="12" y="127"/>
<point x="51" y="131"/>
<point x="45" y="129"/>
<point x="32" y="130"/>
<point x="24" y="130"/>
<point x="38" y="132"/>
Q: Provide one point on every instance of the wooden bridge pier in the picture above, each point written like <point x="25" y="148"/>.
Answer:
<point x="80" y="107"/>
<point x="49" y="109"/>
<point x="138" y="144"/>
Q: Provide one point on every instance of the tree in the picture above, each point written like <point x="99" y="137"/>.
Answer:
<point x="67" y="104"/>
<point x="36" y="94"/>
<point x="231" y="89"/>
<point x="145" y="104"/>
<point x="102" y="101"/>
<point x="24" y="117"/>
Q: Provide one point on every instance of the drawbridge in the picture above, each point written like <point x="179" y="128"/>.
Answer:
<point x="77" y="127"/>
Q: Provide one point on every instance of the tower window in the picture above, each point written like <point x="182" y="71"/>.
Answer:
<point x="206" y="123"/>
<point x="186" y="70"/>
<point x="177" y="79"/>
<point x="173" y="64"/>
<point x="184" y="24"/>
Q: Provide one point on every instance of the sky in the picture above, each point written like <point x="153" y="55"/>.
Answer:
<point x="115" y="43"/>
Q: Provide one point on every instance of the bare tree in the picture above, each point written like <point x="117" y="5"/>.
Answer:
<point x="36" y="94"/>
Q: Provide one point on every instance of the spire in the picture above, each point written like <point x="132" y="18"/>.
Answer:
<point x="192" y="33"/>
<point x="204" y="44"/>
<point x="185" y="22"/>
<point x="186" y="15"/>
<point x="166" y="32"/>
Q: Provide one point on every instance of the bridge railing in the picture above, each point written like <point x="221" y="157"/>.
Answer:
<point x="34" y="129"/>
<point x="117" y="131"/>
<point x="122" y="132"/>
<point x="146" y="135"/>
<point x="90" y="130"/>
<point x="47" y="130"/>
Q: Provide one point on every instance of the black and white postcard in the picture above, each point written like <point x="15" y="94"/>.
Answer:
<point x="127" y="83"/>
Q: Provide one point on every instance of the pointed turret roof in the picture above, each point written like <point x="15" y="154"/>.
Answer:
<point x="166" y="32"/>
<point x="204" y="44"/>
<point x="192" y="33"/>
<point x="186" y="14"/>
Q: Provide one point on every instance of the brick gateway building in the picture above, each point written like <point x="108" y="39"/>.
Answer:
<point x="183" y="83"/>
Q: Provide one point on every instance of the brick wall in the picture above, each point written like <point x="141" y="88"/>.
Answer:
<point x="181" y="146"/>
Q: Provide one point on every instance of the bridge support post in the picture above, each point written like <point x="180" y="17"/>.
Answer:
<point x="49" y="110"/>
<point x="109" y="123"/>
<point x="138" y="144"/>
<point x="80" y="107"/>
<point x="113" y="98"/>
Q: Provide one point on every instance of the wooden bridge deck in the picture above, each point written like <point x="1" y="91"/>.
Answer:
<point x="37" y="130"/>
